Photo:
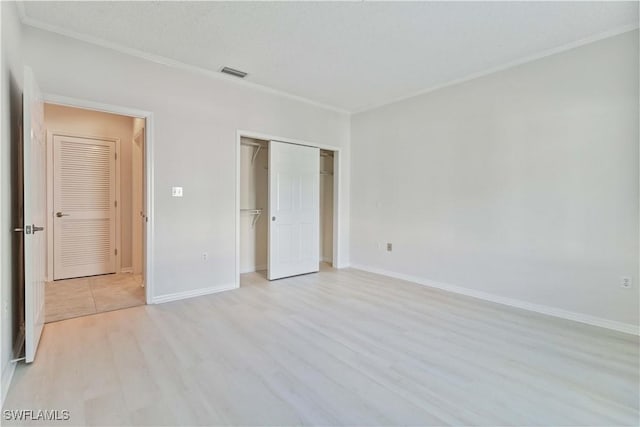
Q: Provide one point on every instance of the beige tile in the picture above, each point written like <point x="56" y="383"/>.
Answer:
<point x="66" y="299"/>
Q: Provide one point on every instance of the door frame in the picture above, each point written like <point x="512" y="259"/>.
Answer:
<point x="50" y="198"/>
<point x="148" y="266"/>
<point x="137" y="239"/>
<point x="337" y="158"/>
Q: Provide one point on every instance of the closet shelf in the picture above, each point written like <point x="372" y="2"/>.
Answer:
<point x="321" y="172"/>
<point x="256" y="212"/>
<point x="257" y="147"/>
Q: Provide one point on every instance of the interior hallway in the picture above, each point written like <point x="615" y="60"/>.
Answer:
<point x="66" y="299"/>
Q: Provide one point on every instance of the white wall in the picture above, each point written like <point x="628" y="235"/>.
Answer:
<point x="254" y="194"/>
<point x="93" y="123"/>
<point x="196" y="118"/>
<point x="11" y="99"/>
<point x="522" y="184"/>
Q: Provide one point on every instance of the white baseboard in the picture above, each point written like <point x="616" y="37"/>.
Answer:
<point x="538" y="308"/>
<point x="7" y="376"/>
<point x="253" y="269"/>
<point x="195" y="293"/>
<point x="339" y="265"/>
<point x="126" y="270"/>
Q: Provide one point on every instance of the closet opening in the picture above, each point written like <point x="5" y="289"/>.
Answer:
<point x="254" y="206"/>
<point x="326" y="207"/>
<point x="276" y="182"/>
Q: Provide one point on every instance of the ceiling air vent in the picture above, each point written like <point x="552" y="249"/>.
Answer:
<point x="233" y="72"/>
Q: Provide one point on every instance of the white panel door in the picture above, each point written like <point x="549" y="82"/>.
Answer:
<point x="294" y="213"/>
<point x="84" y="196"/>
<point x="34" y="208"/>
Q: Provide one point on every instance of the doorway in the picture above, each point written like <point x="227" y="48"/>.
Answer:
<point x="309" y="175"/>
<point x="95" y="192"/>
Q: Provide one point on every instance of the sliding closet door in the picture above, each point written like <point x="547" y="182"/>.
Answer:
<point x="294" y="216"/>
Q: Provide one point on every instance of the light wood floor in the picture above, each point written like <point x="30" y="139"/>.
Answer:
<point x="335" y="348"/>
<point x="66" y="299"/>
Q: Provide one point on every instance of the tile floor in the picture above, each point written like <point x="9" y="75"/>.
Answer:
<point x="70" y="298"/>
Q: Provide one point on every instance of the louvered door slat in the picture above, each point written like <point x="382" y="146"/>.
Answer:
<point x="84" y="191"/>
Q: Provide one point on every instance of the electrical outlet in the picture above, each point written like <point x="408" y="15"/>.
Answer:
<point x="176" y="191"/>
<point x="205" y="256"/>
<point x="625" y="282"/>
<point x="389" y="247"/>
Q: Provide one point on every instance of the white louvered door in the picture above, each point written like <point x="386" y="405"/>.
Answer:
<point x="84" y="207"/>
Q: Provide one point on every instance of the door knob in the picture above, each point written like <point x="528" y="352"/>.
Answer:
<point x="36" y="228"/>
<point x="60" y="214"/>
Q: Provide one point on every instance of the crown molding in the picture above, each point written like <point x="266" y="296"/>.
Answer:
<point x="172" y="63"/>
<point x="548" y="52"/>
<point x="168" y="62"/>
<point x="22" y="13"/>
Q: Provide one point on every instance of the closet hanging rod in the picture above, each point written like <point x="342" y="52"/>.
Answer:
<point x="252" y="144"/>
<point x="321" y="172"/>
<point x="256" y="212"/>
<point x="257" y="149"/>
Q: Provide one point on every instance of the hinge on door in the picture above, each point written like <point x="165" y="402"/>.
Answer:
<point x="116" y="156"/>
<point x="115" y="203"/>
<point x="115" y="252"/>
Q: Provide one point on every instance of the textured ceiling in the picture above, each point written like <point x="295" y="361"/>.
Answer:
<point x="348" y="55"/>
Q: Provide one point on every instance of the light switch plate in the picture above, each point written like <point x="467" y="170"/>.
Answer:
<point x="176" y="191"/>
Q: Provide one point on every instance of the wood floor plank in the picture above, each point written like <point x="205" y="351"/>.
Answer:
<point x="341" y="347"/>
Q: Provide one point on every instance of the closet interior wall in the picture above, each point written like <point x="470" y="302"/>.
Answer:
<point x="326" y="206"/>
<point x="254" y="204"/>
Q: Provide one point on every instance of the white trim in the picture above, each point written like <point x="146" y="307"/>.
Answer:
<point x="118" y="207"/>
<point x="26" y="20"/>
<point x="50" y="199"/>
<point x="512" y="302"/>
<point x="337" y="224"/>
<point x="149" y="170"/>
<point x="549" y="52"/>
<point x="22" y="13"/>
<point x="266" y="137"/>
<point x="7" y="377"/>
<point x="4" y="315"/>
<point x="195" y="293"/>
<point x="49" y="205"/>
<point x="159" y="59"/>
<point x="51" y="98"/>
<point x="253" y="269"/>
<point x="137" y="168"/>
<point x="336" y="189"/>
